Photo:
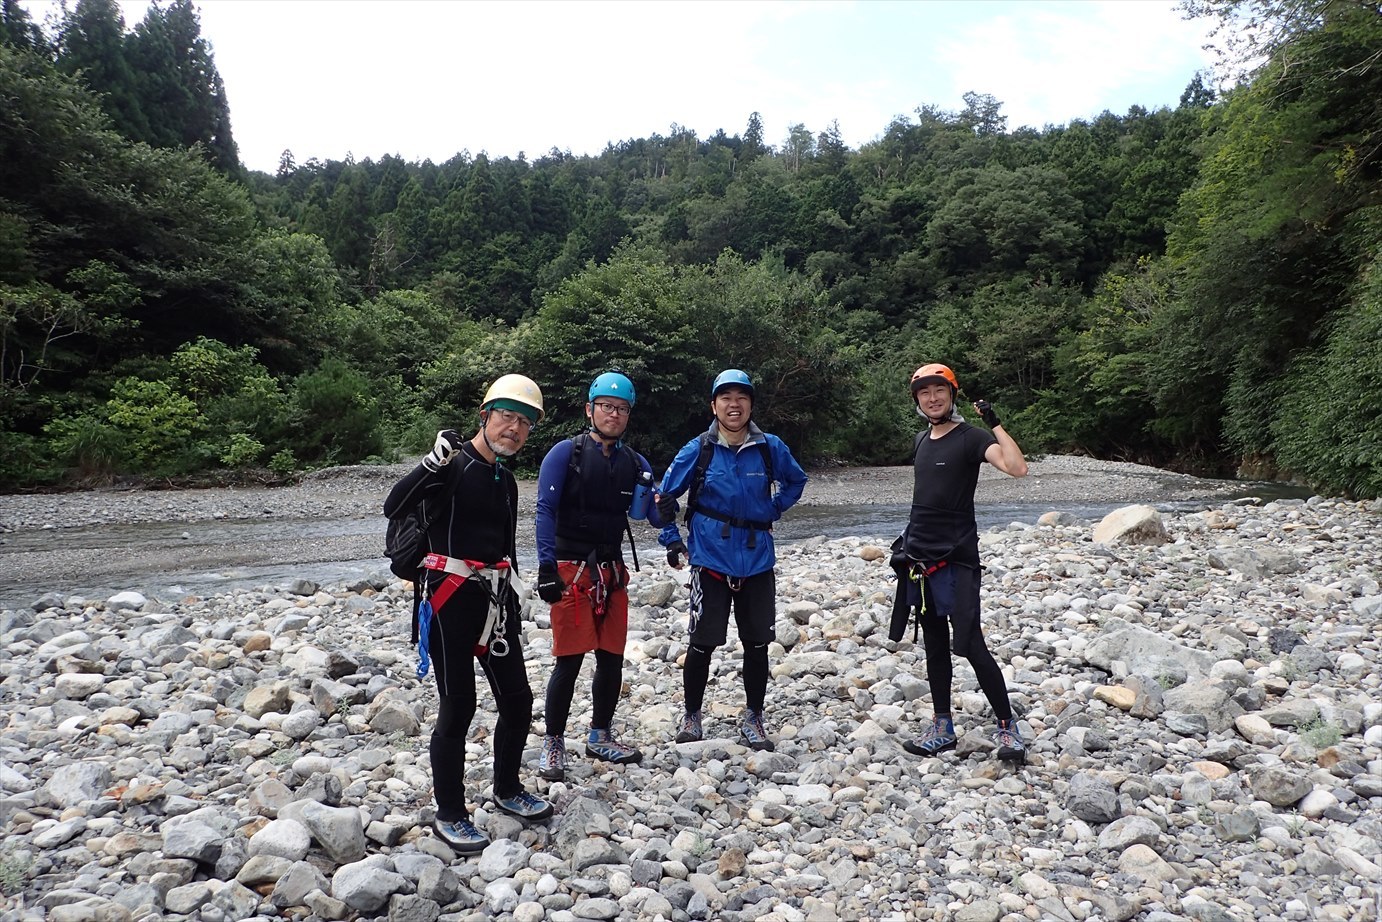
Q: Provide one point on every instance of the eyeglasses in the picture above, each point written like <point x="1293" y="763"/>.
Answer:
<point x="614" y="409"/>
<point x="511" y="417"/>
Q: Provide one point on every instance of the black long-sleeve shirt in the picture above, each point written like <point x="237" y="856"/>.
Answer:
<point x="479" y="523"/>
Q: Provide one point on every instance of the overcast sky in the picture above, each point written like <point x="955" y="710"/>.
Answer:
<point x="425" y="79"/>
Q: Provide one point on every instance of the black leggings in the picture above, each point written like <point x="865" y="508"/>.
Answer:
<point x="935" y="632"/>
<point x="455" y="629"/>
<point x="604" y="690"/>
<point x="696" y="673"/>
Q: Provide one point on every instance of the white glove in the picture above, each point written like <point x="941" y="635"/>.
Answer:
<point x="448" y="443"/>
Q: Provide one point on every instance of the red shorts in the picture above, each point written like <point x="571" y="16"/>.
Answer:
<point x="575" y="628"/>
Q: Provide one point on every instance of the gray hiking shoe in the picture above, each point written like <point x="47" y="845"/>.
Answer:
<point x="1011" y="748"/>
<point x="938" y="737"/>
<point x="601" y="744"/>
<point x="754" y="735"/>
<point x="690" y="731"/>
<point x="551" y="762"/>
<point x="525" y="806"/>
<point x="461" y="836"/>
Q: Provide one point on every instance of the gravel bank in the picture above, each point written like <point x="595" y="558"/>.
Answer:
<point x="1202" y="711"/>
<point x="110" y="539"/>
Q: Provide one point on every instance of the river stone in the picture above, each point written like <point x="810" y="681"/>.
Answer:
<point x="1092" y="799"/>
<point x="264" y="699"/>
<point x="339" y="830"/>
<point x="1279" y="787"/>
<point x="282" y="837"/>
<point x="409" y="907"/>
<point x="1127" y="831"/>
<point x="365" y="886"/>
<point x="1146" y="865"/>
<point x="78" y="784"/>
<point x="503" y="858"/>
<point x="1139" y="524"/>
<point x="128" y="599"/>
<point x="194" y="840"/>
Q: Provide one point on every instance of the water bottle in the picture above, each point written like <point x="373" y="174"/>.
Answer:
<point x="642" y="493"/>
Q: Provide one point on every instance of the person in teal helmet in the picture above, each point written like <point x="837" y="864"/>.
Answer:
<point x="738" y="480"/>
<point x="585" y="491"/>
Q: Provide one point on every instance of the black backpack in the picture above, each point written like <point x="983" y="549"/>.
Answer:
<point x="405" y="540"/>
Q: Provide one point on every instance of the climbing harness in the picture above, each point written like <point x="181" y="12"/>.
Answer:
<point x="498" y="578"/>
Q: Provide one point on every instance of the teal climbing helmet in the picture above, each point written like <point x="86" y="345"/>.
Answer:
<point x="731" y="377"/>
<point x="611" y="384"/>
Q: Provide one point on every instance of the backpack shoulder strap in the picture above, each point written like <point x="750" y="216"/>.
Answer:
<point x="768" y="465"/>
<point x="703" y="456"/>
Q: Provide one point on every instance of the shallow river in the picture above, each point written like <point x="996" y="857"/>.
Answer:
<point x="878" y="523"/>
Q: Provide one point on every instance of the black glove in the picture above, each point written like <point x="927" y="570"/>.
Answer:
<point x="985" y="411"/>
<point x="675" y="552"/>
<point x="448" y="442"/>
<point x="666" y="509"/>
<point x="550" y="588"/>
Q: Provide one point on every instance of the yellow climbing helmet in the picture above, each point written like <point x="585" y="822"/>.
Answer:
<point x="515" y="392"/>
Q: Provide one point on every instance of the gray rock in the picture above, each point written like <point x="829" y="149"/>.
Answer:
<point x="78" y="784"/>
<point x="292" y="887"/>
<point x="339" y="830"/>
<point x="1279" y="787"/>
<point x="591" y="852"/>
<point x="503" y="858"/>
<point x="365" y="885"/>
<point x="1092" y="799"/>
<point x="595" y="908"/>
<point x="438" y="884"/>
<point x="1129" y="830"/>
<point x="404" y="907"/>
<point x="1132" y="525"/>
<point x="283" y="838"/>
<point x="194" y="840"/>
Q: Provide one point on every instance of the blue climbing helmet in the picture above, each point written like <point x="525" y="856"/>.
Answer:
<point x="611" y="384"/>
<point x="731" y="377"/>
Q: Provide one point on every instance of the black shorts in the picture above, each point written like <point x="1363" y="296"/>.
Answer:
<point x="755" y="607"/>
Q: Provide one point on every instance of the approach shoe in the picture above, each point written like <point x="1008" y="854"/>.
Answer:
<point x="461" y="835"/>
<point x="551" y="761"/>
<point x="601" y="744"/>
<point x="690" y="731"/>
<point x="1009" y="740"/>
<point x="753" y="734"/>
<point x="525" y="806"/>
<point x="938" y="737"/>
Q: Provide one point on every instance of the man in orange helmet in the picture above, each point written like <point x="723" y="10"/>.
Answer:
<point x="938" y="568"/>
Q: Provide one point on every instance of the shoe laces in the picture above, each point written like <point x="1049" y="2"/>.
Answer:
<point x="554" y="750"/>
<point x="753" y="726"/>
<point x="1008" y="735"/>
<point x="692" y="722"/>
<point x="526" y="801"/>
<point x="460" y="830"/>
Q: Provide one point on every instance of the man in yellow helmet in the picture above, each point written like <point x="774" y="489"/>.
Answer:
<point x="938" y="563"/>
<point x="471" y="507"/>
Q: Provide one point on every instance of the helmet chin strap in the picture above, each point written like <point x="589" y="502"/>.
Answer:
<point x="612" y="439"/>
<point x="945" y="417"/>
<point x="499" y="450"/>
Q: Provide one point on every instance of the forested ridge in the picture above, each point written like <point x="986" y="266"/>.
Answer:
<point x="1197" y="287"/>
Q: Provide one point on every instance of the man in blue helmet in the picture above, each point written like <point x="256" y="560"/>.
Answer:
<point x="585" y="489"/>
<point x="738" y="480"/>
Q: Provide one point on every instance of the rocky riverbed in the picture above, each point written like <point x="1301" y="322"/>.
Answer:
<point x="1200" y="695"/>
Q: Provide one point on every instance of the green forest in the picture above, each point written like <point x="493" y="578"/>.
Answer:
<point x="1197" y="287"/>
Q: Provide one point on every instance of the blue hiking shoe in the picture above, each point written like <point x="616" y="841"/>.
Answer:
<point x="938" y="737"/>
<point x="752" y="732"/>
<point x="1009" y="740"/>
<point x="601" y="744"/>
<point x="461" y="836"/>
<point x="551" y="762"/>
<point x="525" y="806"/>
<point x="690" y="731"/>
